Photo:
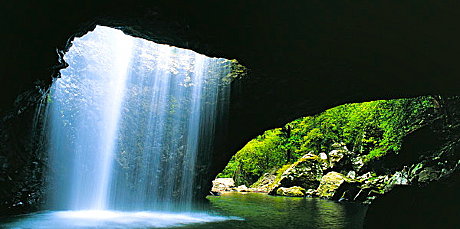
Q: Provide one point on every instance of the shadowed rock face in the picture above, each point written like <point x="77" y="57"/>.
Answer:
<point x="431" y="206"/>
<point x="304" y="56"/>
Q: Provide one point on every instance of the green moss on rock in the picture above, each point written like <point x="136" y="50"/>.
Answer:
<point x="335" y="185"/>
<point x="305" y="173"/>
<point x="295" y="191"/>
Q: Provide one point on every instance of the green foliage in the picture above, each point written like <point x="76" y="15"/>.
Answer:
<point x="372" y="129"/>
<point x="229" y="170"/>
<point x="257" y="157"/>
<point x="235" y="70"/>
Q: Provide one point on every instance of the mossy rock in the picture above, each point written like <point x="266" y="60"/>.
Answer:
<point x="335" y="185"/>
<point x="265" y="182"/>
<point x="295" y="191"/>
<point x="305" y="173"/>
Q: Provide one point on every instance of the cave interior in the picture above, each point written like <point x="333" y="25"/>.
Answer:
<point x="303" y="58"/>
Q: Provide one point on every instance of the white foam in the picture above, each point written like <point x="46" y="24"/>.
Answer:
<point x="113" y="219"/>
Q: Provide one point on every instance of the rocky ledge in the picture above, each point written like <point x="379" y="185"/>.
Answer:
<point x="341" y="174"/>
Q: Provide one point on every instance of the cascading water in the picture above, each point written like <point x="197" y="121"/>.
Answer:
<point x="128" y="121"/>
<point x="85" y="108"/>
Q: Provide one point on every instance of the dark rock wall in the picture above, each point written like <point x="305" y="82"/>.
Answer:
<point x="303" y="56"/>
<point x="432" y="170"/>
<point x="22" y="158"/>
<point x="431" y="206"/>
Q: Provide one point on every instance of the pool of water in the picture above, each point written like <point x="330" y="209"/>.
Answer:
<point x="108" y="220"/>
<point x="232" y="210"/>
<point x="263" y="211"/>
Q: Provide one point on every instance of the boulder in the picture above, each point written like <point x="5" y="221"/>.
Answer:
<point x="295" y="191"/>
<point x="357" y="162"/>
<point x="351" y="174"/>
<point x="310" y="192"/>
<point x="398" y="178"/>
<point x="364" y="176"/>
<point x="341" y="159"/>
<point x="335" y="186"/>
<point x="264" y="183"/>
<point x="324" y="161"/>
<point x="305" y="173"/>
<point x="241" y="188"/>
<point x="430" y="170"/>
<point x="222" y="185"/>
<point x="335" y="156"/>
<point x="372" y="186"/>
<point x="428" y="174"/>
<point x="323" y="156"/>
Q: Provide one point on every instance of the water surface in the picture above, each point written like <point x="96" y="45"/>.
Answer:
<point x="91" y="219"/>
<point x="263" y="211"/>
<point x="233" y="210"/>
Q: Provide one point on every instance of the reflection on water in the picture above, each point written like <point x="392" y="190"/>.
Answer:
<point x="263" y="211"/>
<point x="233" y="210"/>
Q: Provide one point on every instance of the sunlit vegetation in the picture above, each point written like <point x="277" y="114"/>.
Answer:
<point x="370" y="129"/>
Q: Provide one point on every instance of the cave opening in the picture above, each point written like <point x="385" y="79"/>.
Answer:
<point x="304" y="57"/>
<point x="126" y="127"/>
<point x="355" y="153"/>
<point x="91" y="176"/>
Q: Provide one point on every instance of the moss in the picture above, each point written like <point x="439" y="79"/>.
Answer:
<point x="305" y="172"/>
<point x="279" y="173"/>
<point x="295" y="191"/>
<point x="331" y="182"/>
<point x="308" y="157"/>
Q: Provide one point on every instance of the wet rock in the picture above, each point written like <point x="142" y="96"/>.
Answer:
<point x="295" y="191"/>
<point x="336" y="186"/>
<point x="305" y="173"/>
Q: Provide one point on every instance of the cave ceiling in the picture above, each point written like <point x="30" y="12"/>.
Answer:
<point x="303" y="56"/>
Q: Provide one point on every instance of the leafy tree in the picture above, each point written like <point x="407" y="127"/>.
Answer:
<point x="371" y="129"/>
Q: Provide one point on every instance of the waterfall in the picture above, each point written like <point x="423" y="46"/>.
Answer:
<point x="128" y="122"/>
